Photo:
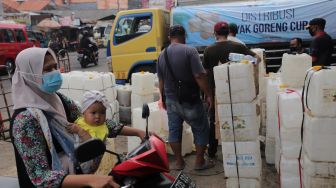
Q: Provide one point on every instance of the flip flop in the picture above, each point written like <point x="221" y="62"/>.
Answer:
<point x="207" y="164"/>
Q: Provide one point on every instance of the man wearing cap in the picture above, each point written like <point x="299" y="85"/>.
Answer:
<point x="321" y="47"/>
<point x="213" y="55"/>
<point x="183" y="64"/>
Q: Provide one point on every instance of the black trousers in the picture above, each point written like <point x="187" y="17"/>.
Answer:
<point x="213" y="142"/>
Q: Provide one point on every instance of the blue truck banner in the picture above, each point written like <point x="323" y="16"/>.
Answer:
<point x="258" y="21"/>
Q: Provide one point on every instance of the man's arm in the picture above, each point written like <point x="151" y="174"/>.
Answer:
<point x="200" y="75"/>
<point x="258" y="58"/>
<point x="206" y="62"/>
<point x="313" y="51"/>
<point x="161" y="85"/>
<point x="255" y="56"/>
<point x="251" y="53"/>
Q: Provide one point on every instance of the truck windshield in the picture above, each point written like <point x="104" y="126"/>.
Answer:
<point x="107" y="30"/>
<point x="131" y="27"/>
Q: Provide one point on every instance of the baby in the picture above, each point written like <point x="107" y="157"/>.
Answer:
<point x="92" y="125"/>
<point x="92" y="122"/>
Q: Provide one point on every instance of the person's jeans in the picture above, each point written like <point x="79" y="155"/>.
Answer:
<point x="194" y="115"/>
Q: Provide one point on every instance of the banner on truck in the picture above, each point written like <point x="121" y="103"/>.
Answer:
<point x="112" y="4"/>
<point x="258" y="22"/>
<point x="163" y="4"/>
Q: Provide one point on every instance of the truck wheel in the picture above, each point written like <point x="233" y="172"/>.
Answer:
<point x="145" y="68"/>
<point x="10" y="66"/>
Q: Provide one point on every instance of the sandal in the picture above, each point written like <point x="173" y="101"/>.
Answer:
<point x="207" y="164"/>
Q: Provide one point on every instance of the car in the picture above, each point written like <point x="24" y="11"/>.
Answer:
<point x="13" y="39"/>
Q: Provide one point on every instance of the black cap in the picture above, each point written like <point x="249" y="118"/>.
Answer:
<point x="233" y="28"/>
<point x="317" y="21"/>
<point x="176" y="30"/>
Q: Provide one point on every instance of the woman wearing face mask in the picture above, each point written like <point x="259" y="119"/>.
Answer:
<point x="43" y="148"/>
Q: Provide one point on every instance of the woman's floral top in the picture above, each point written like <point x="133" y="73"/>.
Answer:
<point x="31" y="146"/>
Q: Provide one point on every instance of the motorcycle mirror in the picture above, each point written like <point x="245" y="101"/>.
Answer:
<point x="89" y="149"/>
<point x="145" y="111"/>
<point x="145" y="114"/>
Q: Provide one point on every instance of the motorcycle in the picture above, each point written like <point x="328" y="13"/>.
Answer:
<point x="87" y="56"/>
<point x="145" y="166"/>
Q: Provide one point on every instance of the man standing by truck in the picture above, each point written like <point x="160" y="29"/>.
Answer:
<point x="179" y="66"/>
<point x="213" y="55"/>
<point x="321" y="48"/>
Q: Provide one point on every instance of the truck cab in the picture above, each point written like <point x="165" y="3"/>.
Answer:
<point x="137" y="38"/>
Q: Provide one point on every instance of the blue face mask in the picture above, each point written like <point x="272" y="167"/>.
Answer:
<point x="52" y="81"/>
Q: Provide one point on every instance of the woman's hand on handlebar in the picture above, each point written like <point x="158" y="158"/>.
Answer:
<point x="142" y="134"/>
<point x="103" y="182"/>
<point x="130" y="131"/>
<point x="92" y="181"/>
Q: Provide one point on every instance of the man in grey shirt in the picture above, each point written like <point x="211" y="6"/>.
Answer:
<point x="185" y="66"/>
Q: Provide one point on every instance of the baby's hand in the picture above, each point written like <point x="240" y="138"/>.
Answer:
<point x="73" y="128"/>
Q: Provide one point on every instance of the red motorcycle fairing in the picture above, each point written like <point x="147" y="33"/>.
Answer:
<point x="151" y="161"/>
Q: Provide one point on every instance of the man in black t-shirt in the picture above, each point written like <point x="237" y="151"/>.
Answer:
<point x="219" y="52"/>
<point x="321" y="47"/>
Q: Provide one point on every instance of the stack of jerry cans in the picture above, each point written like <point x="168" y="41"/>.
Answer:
<point x="76" y="83"/>
<point x="236" y="104"/>
<point x="124" y="93"/>
<point x="142" y="92"/>
<point x="142" y="88"/>
<point x="319" y="130"/>
<point x="261" y="98"/>
<point x="290" y="116"/>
